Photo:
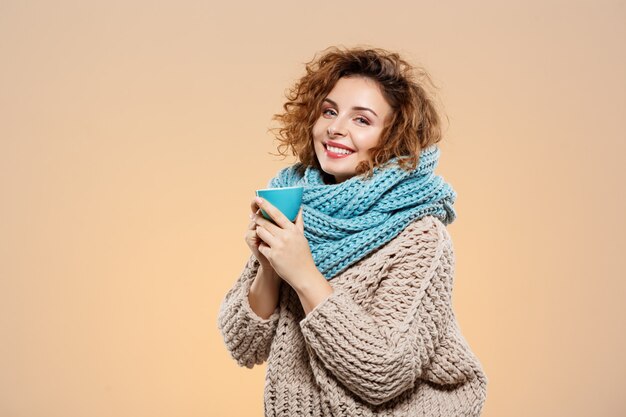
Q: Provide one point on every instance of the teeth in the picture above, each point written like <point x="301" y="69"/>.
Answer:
<point x="338" y="150"/>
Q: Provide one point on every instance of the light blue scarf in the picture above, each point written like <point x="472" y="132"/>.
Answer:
<point x="345" y="222"/>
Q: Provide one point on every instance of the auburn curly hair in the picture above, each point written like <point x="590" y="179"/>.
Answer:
<point x="414" y="123"/>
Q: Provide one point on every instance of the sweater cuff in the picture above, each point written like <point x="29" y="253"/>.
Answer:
<point x="319" y="309"/>
<point x="247" y="336"/>
<point x="245" y="306"/>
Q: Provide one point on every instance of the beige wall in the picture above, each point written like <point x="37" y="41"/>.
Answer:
<point x="132" y="136"/>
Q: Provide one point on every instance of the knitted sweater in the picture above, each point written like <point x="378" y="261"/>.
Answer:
<point x="385" y="343"/>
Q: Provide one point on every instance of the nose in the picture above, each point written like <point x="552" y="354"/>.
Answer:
<point x="336" y="128"/>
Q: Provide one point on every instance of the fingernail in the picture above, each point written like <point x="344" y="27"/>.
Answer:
<point x="258" y="200"/>
<point x="251" y="216"/>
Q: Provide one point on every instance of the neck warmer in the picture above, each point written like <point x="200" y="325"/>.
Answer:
<point x="345" y="222"/>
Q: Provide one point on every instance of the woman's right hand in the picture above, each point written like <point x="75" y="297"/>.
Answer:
<point x="253" y="240"/>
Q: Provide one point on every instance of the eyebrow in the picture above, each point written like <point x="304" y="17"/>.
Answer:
<point x="353" y="108"/>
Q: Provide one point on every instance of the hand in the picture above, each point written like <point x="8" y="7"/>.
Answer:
<point x="252" y="239"/>
<point x="284" y="244"/>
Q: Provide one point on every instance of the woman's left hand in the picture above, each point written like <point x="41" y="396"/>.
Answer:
<point x="284" y="244"/>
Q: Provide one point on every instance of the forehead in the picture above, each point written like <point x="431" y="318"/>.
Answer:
<point x="357" y="90"/>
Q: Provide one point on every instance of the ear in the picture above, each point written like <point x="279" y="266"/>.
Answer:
<point x="300" y="221"/>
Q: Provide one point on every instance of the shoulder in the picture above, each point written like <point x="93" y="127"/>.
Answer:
<point x="427" y="225"/>
<point x="425" y="251"/>
<point x="425" y="233"/>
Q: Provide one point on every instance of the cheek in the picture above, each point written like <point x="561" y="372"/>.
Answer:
<point x="318" y="130"/>
<point x="372" y="139"/>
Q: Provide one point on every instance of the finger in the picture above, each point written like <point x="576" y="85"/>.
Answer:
<point x="300" y="220"/>
<point x="267" y="225"/>
<point x="254" y="207"/>
<point x="276" y="215"/>
<point x="263" y="248"/>
<point x="266" y="236"/>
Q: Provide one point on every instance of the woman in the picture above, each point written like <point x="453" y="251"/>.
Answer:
<point x="351" y="305"/>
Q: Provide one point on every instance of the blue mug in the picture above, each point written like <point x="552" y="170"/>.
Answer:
<point x="287" y="199"/>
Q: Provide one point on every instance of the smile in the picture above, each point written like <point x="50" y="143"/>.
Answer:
<point x="337" y="152"/>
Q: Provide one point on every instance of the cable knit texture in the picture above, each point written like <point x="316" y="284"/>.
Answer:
<point x="385" y="343"/>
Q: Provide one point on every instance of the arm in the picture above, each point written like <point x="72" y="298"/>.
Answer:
<point x="264" y="292"/>
<point x="380" y="352"/>
<point x="247" y="336"/>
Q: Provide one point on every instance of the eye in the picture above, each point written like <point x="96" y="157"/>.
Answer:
<point x="362" y="120"/>
<point x="326" y="112"/>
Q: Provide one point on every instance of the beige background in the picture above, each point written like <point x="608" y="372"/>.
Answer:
<point x="133" y="135"/>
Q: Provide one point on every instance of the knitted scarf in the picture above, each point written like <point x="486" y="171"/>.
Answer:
<point x="345" y="222"/>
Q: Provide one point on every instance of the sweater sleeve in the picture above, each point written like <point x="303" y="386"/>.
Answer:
<point x="247" y="336"/>
<point x="379" y="352"/>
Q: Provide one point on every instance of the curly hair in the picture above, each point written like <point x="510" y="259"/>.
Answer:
<point x="414" y="123"/>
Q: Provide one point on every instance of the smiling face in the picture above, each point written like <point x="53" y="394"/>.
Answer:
<point x="352" y="115"/>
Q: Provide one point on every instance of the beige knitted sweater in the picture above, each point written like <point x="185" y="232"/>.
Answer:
<point x="385" y="343"/>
